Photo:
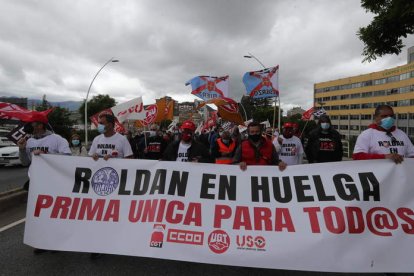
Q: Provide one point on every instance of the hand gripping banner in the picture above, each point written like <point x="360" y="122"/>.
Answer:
<point x="352" y="216"/>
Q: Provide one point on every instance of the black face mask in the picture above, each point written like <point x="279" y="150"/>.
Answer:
<point x="255" y="138"/>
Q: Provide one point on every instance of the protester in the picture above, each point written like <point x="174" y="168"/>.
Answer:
<point x="132" y="143"/>
<point x="382" y="139"/>
<point x="324" y="143"/>
<point x="42" y="141"/>
<point x="268" y="134"/>
<point x="224" y="148"/>
<point x="109" y="144"/>
<point x="291" y="149"/>
<point x="76" y="146"/>
<point x="256" y="150"/>
<point x="156" y="144"/>
<point x="186" y="149"/>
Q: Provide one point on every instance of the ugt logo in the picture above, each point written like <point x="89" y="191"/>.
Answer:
<point x="157" y="237"/>
<point x="218" y="241"/>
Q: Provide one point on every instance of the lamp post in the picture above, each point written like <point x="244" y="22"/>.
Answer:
<point x="274" y="113"/>
<point x="86" y="99"/>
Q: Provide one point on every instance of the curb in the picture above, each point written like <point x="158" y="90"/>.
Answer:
<point x="12" y="198"/>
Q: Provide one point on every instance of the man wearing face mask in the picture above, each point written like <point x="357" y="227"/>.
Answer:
<point x="155" y="144"/>
<point x="257" y="150"/>
<point x="291" y="149"/>
<point x="324" y="143"/>
<point x="109" y="144"/>
<point x="382" y="139"/>
<point x="187" y="149"/>
<point x="224" y="149"/>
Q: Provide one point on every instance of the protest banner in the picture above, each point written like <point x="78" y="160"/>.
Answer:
<point x="354" y="216"/>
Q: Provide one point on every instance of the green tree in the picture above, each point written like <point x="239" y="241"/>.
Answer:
<point x="59" y="119"/>
<point x="96" y="104"/>
<point x="394" y="19"/>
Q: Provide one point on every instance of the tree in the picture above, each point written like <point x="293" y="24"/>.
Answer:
<point x="59" y="119"/>
<point x="96" y="104"/>
<point x="394" y="19"/>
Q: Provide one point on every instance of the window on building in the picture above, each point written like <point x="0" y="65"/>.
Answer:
<point x="402" y="116"/>
<point x="366" y="94"/>
<point x="344" y="106"/>
<point x="403" y="103"/>
<point x="364" y="128"/>
<point x="343" y="117"/>
<point x="379" y="93"/>
<point x="366" y="105"/>
<point x="356" y="95"/>
<point x="411" y="131"/>
<point x="355" y="127"/>
<point x="380" y="81"/>
<point x="355" y="106"/>
<point x="404" y="89"/>
<point x="344" y="97"/>
<point x="367" y="83"/>
<point x="325" y="99"/>
<point x="366" y="117"/>
<point x="356" y="85"/>
<point x="334" y="117"/>
<point x="333" y="98"/>
<point x="335" y="126"/>
<point x="392" y="103"/>
<point x="354" y="117"/>
<point x="393" y="78"/>
<point x="343" y="127"/>
<point x="392" y="91"/>
<point x="335" y="107"/>
<point x="405" y="76"/>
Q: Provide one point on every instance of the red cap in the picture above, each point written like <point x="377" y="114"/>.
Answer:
<point x="188" y="125"/>
<point x="286" y="125"/>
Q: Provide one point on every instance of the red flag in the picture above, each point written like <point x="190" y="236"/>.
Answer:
<point x="308" y="114"/>
<point x="15" y="112"/>
<point x="118" y="126"/>
<point x="227" y="108"/>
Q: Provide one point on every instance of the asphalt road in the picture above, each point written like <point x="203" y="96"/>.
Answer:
<point x="18" y="259"/>
<point x="12" y="178"/>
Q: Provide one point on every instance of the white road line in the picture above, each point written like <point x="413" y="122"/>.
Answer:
<point x="12" y="225"/>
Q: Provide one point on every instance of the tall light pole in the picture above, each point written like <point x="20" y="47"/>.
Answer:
<point x="86" y="100"/>
<point x="274" y="113"/>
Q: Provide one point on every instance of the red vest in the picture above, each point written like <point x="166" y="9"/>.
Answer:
<point x="223" y="148"/>
<point x="265" y="153"/>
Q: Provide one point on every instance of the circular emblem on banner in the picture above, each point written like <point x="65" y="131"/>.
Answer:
<point x="218" y="241"/>
<point x="105" y="181"/>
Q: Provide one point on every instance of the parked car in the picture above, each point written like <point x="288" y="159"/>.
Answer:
<point x="4" y="141"/>
<point x="9" y="156"/>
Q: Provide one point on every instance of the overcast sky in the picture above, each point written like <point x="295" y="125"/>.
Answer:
<point x="56" y="47"/>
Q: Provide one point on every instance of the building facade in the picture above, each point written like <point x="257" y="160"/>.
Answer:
<point x="351" y="102"/>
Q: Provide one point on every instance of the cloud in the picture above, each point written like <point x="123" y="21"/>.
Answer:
<point x="57" y="47"/>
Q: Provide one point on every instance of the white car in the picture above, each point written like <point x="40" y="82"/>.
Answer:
<point x="4" y="141"/>
<point x="9" y="156"/>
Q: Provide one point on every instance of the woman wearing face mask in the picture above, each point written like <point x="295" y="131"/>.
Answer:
<point x="76" y="146"/>
<point x="324" y="143"/>
<point x="382" y="139"/>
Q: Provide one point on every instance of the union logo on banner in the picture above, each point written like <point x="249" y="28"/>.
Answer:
<point x="262" y="84"/>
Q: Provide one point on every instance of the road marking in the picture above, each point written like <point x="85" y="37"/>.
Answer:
<point x="12" y="225"/>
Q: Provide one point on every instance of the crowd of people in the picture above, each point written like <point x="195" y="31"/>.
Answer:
<point x="227" y="146"/>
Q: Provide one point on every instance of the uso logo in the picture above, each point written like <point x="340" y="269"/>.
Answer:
<point x="105" y="181"/>
<point x="218" y="241"/>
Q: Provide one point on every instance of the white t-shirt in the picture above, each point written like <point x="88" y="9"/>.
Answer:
<point x="53" y="143"/>
<point x="378" y="142"/>
<point x="182" y="154"/>
<point x="291" y="150"/>
<point x="116" y="146"/>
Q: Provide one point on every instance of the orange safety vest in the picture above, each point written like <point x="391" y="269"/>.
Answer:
<point x="223" y="148"/>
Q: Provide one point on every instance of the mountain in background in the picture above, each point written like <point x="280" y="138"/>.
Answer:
<point x="71" y="105"/>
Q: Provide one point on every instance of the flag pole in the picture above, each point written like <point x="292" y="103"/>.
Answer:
<point x="303" y="130"/>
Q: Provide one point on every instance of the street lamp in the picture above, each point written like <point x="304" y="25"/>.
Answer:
<point x="86" y="100"/>
<point x="274" y="113"/>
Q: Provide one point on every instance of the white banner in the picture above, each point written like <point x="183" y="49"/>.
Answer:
<point x="130" y="110"/>
<point x="354" y="216"/>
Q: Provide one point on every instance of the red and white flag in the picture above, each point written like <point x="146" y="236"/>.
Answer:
<point x="130" y="110"/>
<point x="306" y="116"/>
